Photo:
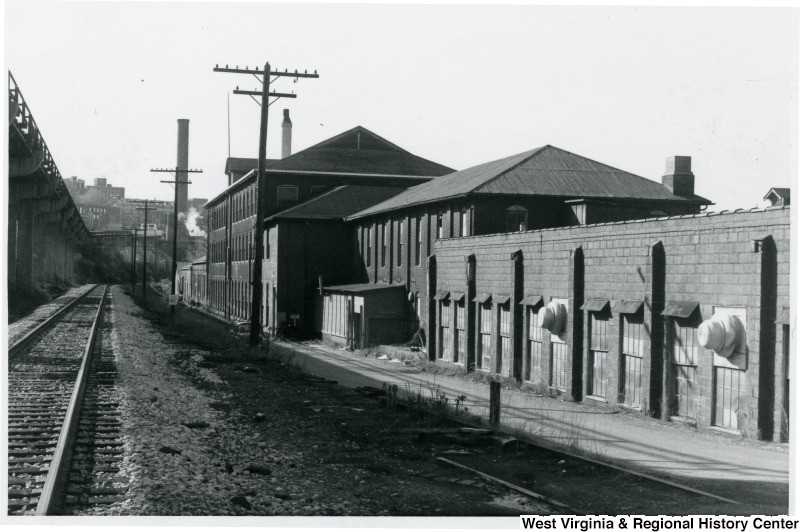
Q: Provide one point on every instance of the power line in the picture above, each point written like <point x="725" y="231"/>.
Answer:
<point x="261" y="205"/>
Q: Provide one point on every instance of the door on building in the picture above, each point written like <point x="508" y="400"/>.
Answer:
<point x="685" y="355"/>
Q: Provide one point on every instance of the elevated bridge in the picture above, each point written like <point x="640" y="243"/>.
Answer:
<point x="45" y="227"/>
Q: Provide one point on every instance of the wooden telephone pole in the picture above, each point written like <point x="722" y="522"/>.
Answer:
<point x="261" y="205"/>
<point x="146" y="209"/>
<point x="176" y="182"/>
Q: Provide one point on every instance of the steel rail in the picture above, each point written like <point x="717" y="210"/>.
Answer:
<point x="59" y="465"/>
<point x="14" y="350"/>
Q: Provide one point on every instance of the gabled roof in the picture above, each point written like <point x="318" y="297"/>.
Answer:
<point x="781" y="193"/>
<point x="359" y="151"/>
<point x="545" y="171"/>
<point x="242" y="165"/>
<point x="338" y="203"/>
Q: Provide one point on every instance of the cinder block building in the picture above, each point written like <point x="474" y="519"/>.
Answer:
<point x="634" y="296"/>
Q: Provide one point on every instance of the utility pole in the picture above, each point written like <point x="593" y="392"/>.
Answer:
<point x="146" y="209"/>
<point x="134" y="232"/>
<point x="261" y="204"/>
<point x="176" y="182"/>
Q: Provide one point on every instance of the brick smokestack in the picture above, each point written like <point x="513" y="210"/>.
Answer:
<point x="286" y="139"/>
<point x="183" y="162"/>
<point x="678" y="177"/>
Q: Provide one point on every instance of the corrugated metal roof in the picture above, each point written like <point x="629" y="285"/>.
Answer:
<point x="338" y="203"/>
<point x="546" y="171"/>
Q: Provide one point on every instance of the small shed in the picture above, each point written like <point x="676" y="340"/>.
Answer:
<point x="778" y="197"/>
<point x="365" y="314"/>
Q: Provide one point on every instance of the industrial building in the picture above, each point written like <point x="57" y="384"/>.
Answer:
<point x="546" y="267"/>
<point x="357" y="157"/>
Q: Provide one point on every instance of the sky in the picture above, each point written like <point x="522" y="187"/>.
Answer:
<point x="456" y="84"/>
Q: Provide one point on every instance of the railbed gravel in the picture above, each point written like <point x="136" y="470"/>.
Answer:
<point x="22" y="326"/>
<point x="177" y="470"/>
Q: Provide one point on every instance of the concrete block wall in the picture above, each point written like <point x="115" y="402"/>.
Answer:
<point x="730" y="259"/>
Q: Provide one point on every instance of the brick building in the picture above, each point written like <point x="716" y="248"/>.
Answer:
<point x="356" y="157"/>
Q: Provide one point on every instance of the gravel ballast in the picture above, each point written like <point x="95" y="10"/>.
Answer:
<point x="196" y="445"/>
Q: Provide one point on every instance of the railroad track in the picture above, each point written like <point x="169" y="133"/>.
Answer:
<point x="63" y="428"/>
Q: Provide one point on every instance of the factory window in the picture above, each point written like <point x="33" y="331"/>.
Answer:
<point x="505" y="337"/>
<point x="464" y="222"/>
<point x="485" y="333"/>
<point x="461" y="332"/>
<point x="384" y="237"/>
<point x="516" y="218"/>
<point x="286" y="194"/>
<point x="369" y="246"/>
<point x="685" y="354"/>
<point x="534" y="344"/>
<point x="418" y="242"/>
<point x="445" y="334"/>
<point x="400" y="243"/>
<point x="632" y="354"/>
<point x="558" y="377"/>
<point x="598" y="355"/>
<point x="440" y="225"/>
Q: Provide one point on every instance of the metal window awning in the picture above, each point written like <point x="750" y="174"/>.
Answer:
<point x="456" y="296"/>
<point x="531" y="301"/>
<point x="680" y="309"/>
<point x="783" y="316"/>
<point x="595" y="305"/>
<point x="501" y="299"/>
<point x="627" y="307"/>
<point x="441" y="294"/>
<point x="482" y="298"/>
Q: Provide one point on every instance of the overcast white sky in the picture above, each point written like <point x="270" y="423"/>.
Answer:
<point x="459" y="85"/>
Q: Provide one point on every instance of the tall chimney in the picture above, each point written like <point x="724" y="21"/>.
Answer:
<point x="183" y="162"/>
<point x="678" y="177"/>
<point x="286" y="139"/>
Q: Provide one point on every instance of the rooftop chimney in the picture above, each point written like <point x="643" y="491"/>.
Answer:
<point x="678" y="177"/>
<point x="286" y="140"/>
